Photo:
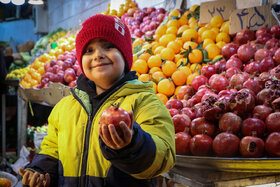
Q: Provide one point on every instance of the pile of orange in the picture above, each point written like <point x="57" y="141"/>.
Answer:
<point x="123" y="8"/>
<point x="182" y="46"/>
<point x="33" y="77"/>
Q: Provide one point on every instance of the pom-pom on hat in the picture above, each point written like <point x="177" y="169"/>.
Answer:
<point x="106" y="27"/>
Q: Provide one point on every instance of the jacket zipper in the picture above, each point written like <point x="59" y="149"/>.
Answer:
<point x="85" y="154"/>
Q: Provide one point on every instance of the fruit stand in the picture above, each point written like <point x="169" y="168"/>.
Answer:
<point x="219" y="80"/>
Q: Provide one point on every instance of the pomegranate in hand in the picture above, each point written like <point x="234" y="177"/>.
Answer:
<point x="114" y="115"/>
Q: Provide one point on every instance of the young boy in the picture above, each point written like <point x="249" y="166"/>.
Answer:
<point x="77" y="151"/>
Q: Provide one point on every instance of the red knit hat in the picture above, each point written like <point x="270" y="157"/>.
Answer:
<point x="106" y="27"/>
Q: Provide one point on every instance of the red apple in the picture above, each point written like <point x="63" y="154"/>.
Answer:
<point x="52" y="63"/>
<point x="69" y="75"/>
<point x="67" y="64"/>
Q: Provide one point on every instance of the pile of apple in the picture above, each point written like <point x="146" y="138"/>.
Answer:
<point x="143" y="21"/>
<point x="64" y="70"/>
<point x="233" y="108"/>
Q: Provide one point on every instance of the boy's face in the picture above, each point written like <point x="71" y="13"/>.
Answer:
<point x="103" y="63"/>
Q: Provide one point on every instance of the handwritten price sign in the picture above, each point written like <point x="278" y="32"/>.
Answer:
<point x="252" y="18"/>
<point x="216" y="8"/>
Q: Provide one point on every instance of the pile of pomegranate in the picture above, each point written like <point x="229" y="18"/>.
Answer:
<point x="233" y="108"/>
<point x="144" y="22"/>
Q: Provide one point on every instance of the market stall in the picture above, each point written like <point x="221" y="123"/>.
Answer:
<point x="215" y="67"/>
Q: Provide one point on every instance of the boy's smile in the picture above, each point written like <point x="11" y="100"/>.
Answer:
<point x="103" y="63"/>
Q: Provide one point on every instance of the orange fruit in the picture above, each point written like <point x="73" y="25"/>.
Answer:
<point x="144" y="77"/>
<point x="212" y="50"/>
<point x="162" y="97"/>
<point x="154" y="61"/>
<point x="186" y="70"/>
<point x="221" y="44"/>
<point x="208" y="34"/>
<point x="206" y="42"/>
<point x="193" y="45"/>
<point x="175" y="13"/>
<point x="177" y="57"/>
<point x="167" y="53"/>
<point x="225" y="27"/>
<point x="215" y="29"/>
<point x="182" y="29"/>
<point x="168" y="68"/>
<point x="183" y="20"/>
<point x="222" y="36"/>
<point x="157" y="75"/>
<point x="165" y="39"/>
<point x="161" y="30"/>
<point x="166" y="87"/>
<point x="144" y="56"/>
<point x="137" y="41"/>
<point x="196" y="56"/>
<point x="140" y="66"/>
<point x="171" y="30"/>
<point x="216" y="21"/>
<point x="192" y="20"/>
<point x="193" y="25"/>
<point x="180" y="41"/>
<point x="154" y="46"/>
<point x="173" y="23"/>
<point x="154" y="69"/>
<point x="176" y="46"/>
<point x="179" y="78"/>
<point x="189" y="34"/>
<point x="147" y="46"/>
<point x="201" y="30"/>
<point x="158" y="50"/>
<point x="41" y="70"/>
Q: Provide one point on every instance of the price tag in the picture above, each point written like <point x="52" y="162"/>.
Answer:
<point x="221" y="8"/>
<point x="252" y="18"/>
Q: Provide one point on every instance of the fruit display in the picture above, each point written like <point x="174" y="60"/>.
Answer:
<point x="37" y="69"/>
<point x="41" y="45"/>
<point x="64" y="70"/>
<point x="17" y="73"/>
<point x="180" y="49"/>
<point x="234" y="103"/>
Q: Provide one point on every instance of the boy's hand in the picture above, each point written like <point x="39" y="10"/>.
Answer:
<point x="34" y="179"/>
<point x="110" y="136"/>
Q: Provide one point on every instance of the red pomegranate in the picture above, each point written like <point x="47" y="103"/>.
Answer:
<point x="198" y="81"/>
<point x="114" y="115"/>
<point x="200" y="126"/>
<point x="181" y="121"/>
<point x="229" y="49"/>
<point x="201" y="145"/>
<point x="272" y="144"/>
<point x="242" y="102"/>
<point x="208" y="70"/>
<point x="245" y="52"/>
<point x="230" y="122"/>
<point x="182" y="143"/>
<point x="234" y="61"/>
<point x="173" y="111"/>
<point x="251" y="146"/>
<point x="189" y="112"/>
<point x="226" y="145"/>
<point x="174" y="103"/>
<point x="220" y="66"/>
<point x="218" y="82"/>
<point x="261" y="112"/>
<point x="273" y="122"/>
<point x="251" y="125"/>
